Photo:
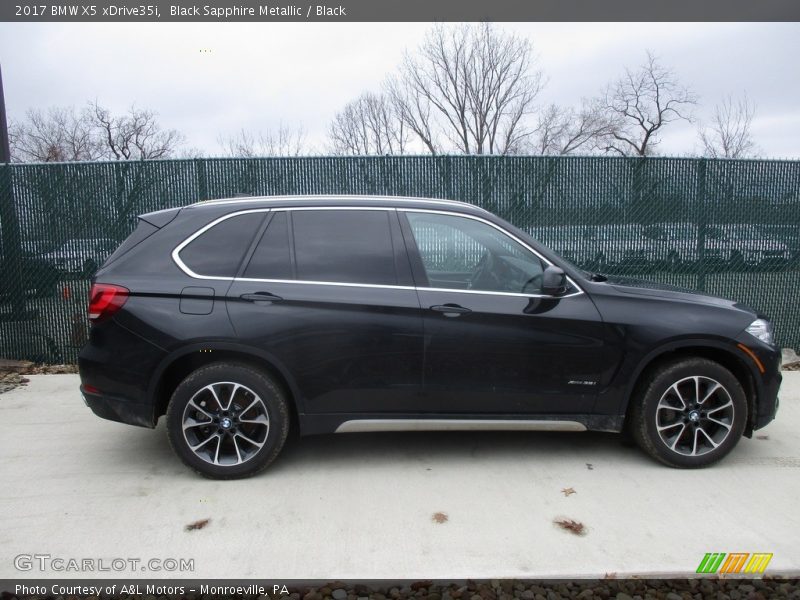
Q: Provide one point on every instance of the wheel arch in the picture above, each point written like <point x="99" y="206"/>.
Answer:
<point x="712" y="350"/>
<point x="177" y="365"/>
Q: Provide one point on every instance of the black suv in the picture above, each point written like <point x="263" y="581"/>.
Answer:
<point x="241" y="318"/>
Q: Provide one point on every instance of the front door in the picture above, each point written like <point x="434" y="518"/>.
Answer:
<point x="493" y="342"/>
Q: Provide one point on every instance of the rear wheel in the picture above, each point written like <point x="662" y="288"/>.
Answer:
<point x="228" y="420"/>
<point x="691" y="413"/>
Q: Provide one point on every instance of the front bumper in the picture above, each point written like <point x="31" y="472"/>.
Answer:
<point x="767" y="383"/>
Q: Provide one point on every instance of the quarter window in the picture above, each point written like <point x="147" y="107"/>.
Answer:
<point x="462" y="253"/>
<point x="344" y="246"/>
<point x="218" y="251"/>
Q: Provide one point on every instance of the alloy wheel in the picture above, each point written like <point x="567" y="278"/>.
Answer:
<point x="225" y="423"/>
<point x="694" y="416"/>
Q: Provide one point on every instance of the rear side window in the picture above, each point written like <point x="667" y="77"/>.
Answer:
<point x="143" y="231"/>
<point x="218" y="251"/>
<point x="344" y="246"/>
<point x="271" y="258"/>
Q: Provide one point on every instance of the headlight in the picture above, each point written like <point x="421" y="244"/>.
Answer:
<point x="762" y="330"/>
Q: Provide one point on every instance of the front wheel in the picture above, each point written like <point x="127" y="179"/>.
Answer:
<point x="691" y="413"/>
<point x="227" y="420"/>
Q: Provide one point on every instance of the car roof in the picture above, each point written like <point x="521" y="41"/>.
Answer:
<point x="248" y="202"/>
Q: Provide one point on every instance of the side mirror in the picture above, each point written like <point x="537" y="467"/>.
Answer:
<point x="554" y="281"/>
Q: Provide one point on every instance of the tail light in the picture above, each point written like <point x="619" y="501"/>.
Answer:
<point x="105" y="299"/>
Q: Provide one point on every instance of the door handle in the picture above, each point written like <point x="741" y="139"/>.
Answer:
<point x="261" y="297"/>
<point x="451" y="310"/>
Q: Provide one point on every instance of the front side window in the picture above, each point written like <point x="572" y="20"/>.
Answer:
<point x="344" y="246"/>
<point x="462" y="253"/>
<point x="218" y="251"/>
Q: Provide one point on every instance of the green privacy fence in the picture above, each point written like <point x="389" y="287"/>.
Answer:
<point x="729" y="228"/>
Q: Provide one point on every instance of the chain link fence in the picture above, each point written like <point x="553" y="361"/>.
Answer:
<point x="726" y="227"/>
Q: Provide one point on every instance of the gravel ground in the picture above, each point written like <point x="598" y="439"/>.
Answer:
<point x="610" y="588"/>
<point x="631" y="589"/>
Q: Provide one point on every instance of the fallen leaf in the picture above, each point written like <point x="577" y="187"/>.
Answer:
<point x="197" y="524"/>
<point x="572" y="526"/>
<point x="568" y="491"/>
<point x="762" y="437"/>
<point x="439" y="517"/>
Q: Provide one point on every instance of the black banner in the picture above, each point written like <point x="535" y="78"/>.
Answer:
<point x="407" y="10"/>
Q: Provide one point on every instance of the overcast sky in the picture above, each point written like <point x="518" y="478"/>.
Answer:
<point x="257" y="75"/>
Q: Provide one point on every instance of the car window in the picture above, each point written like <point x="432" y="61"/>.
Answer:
<point x="271" y="258"/>
<point x="345" y="246"/>
<point x="462" y="253"/>
<point x="218" y="251"/>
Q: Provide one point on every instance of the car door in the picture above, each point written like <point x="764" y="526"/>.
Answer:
<point x="494" y="344"/>
<point x="328" y="294"/>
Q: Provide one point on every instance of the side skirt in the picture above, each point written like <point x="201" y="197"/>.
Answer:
<point x="356" y="423"/>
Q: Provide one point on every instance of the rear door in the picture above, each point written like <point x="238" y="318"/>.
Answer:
<point x="328" y="293"/>
<point x="494" y="344"/>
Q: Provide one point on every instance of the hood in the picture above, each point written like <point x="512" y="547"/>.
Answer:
<point x="641" y="287"/>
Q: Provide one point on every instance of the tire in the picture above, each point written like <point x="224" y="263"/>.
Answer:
<point x="679" y="443"/>
<point x="237" y="417"/>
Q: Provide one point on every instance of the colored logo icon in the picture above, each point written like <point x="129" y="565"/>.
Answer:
<point x="735" y="562"/>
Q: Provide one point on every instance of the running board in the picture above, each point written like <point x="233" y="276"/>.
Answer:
<point x="365" y="425"/>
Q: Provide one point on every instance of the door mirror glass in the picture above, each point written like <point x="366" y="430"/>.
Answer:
<point x="554" y="281"/>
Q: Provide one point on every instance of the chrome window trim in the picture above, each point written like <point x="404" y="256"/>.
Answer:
<point x="336" y="283"/>
<point x="183" y="267"/>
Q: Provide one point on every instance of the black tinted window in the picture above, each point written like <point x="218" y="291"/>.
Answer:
<point x="218" y="251"/>
<point x="271" y="258"/>
<point x="348" y="246"/>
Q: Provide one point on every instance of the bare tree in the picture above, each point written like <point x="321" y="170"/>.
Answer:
<point x="641" y="103"/>
<point x="135" y="135"/>
<point x="55" y="135"/>
<point x="729" y="133"/>
<point x="565" y="130"/>
<point x="283" y="141"/>
<point x="368" y="125"/>
<point x="469" y="88"/>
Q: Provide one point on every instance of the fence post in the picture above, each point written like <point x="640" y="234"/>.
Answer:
<point x="702" y="223"/>
<point x="202" y="181"/>
<point x="9" y="221"/>
<point x="12" y="246"/>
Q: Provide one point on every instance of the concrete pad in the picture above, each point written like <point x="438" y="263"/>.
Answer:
<point x="362" y="505"/>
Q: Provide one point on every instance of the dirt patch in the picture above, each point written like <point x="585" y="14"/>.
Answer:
<point x="13" y="372"/>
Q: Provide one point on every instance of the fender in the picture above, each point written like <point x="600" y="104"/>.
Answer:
<point x="244" y="349"/>
<point x="725" y="346"/>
